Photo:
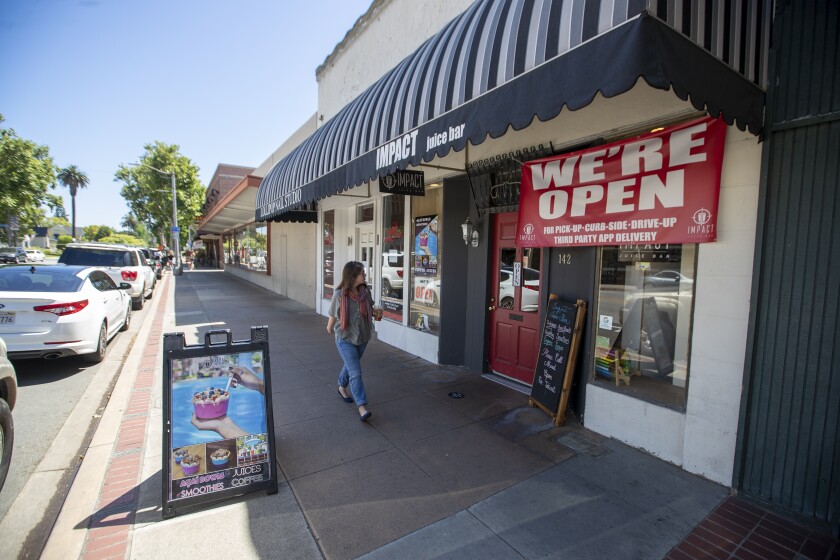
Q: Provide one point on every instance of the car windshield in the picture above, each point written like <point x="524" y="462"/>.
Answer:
<point x="92" y="256"/>
<point x="24" y="279"/>
<point x="7" y="249"/>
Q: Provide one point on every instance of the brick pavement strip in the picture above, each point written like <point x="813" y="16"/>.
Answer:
<point x="109" y="533"/>
<point x="738" y="529"/>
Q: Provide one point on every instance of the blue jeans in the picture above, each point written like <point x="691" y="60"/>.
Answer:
<point x="351" y="373"/>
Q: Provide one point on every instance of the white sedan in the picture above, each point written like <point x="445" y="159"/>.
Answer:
<point x="53" y="311"/>
<point x="35" y="255"/>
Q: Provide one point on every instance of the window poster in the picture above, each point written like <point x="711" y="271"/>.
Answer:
<point x="426" y="245"/>
<point x="219" y="425"/>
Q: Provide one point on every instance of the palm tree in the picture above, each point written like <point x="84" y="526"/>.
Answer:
<point x="73" y="178"/>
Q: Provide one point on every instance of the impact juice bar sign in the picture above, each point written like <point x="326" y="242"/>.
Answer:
<point x="658" y="188"/>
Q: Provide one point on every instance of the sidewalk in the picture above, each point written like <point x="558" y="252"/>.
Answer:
<point x="428" y="476"/>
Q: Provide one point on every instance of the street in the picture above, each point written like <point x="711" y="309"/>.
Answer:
<point x="59" y="404"/>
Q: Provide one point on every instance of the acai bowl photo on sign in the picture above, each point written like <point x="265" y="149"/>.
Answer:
<point x="218" y="397"/>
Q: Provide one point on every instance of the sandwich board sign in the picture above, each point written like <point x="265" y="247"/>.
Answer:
<point x="218" y="427"/>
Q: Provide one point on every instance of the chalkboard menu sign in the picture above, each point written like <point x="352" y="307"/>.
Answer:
<point x="558" y="353"/>
<point x="218" y="423"/>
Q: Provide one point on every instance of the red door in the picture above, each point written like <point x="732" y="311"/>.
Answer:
<point x="515" y="303"/>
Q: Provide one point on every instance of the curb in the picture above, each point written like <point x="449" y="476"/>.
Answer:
<point x="96" y="519"/>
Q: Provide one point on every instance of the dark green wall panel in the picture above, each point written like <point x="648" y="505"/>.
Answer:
<point x="789" y="442"/>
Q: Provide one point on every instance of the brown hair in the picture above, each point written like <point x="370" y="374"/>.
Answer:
<point x="348" y="276"/>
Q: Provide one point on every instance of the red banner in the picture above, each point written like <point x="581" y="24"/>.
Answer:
<point x="658" y="188"/>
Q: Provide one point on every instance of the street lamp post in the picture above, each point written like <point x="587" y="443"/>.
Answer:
<point x="176" y="233"/>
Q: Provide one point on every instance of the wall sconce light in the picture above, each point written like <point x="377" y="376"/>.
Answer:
<point x="470" y="234"/>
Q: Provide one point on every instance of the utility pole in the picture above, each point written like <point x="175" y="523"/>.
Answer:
<point x="176" y="232"/>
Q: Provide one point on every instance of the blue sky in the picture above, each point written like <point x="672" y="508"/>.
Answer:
<point x="226" y="80"/>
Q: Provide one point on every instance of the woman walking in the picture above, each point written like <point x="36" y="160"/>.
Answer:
<point x="351" y="316"/>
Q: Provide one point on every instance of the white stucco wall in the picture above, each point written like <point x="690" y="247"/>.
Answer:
<point x="702" y="440"/>
<point x="293" y="261"/>
<point x="386" y="34"/>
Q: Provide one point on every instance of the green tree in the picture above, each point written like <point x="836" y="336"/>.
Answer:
<point x="74" y="179"/>
<point x="132" y="226"/>
<point x="149" y="193"/>
<point x="124" y="239"/>
<point x="96" y="233"/>
<point x="27" y="173"/>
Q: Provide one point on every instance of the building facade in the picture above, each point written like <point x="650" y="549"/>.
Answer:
<point x="505" y="94"/>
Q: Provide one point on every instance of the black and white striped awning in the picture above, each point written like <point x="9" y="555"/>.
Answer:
<point x="502" y="62"/>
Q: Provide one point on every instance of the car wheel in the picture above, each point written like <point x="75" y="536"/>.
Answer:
<point x="386" y="287"/>
<point x="7" y="438"/>
<point x="127" y="322"/>
<point x="506" y="303"/>
<point x="141" y="299"/>
<point x="99" y="355"/>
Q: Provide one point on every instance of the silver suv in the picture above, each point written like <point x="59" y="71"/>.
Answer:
<point x="121" y="262"/>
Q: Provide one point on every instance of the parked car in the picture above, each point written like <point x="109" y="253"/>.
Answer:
<point x="8" y="394"/>
<point x="258" y="261"/>
<point x="152" y="261"/>
<point x="123" y="264"/>
<point x="35" y="255"/>
<point x="667" y="279"/>
<point x="392" y="274"/>
<point x="61" y="310"/>
<point x="530" y="288"/>
<point x="12" y="255"/>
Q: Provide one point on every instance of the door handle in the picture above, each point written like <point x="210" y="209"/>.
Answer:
<point x="492" y="306"/>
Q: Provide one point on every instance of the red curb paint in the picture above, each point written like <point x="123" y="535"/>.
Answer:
<point x="97" y="533"/>
<point x="117" y="550"/>
<point x="105" y="542"/>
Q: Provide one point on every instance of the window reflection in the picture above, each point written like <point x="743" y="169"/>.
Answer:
<point x="247" y="247"/>
<point x="393" y="261"/>
<point x="506" y="293"/>
<point x="519" y="280"/>
<point x="530" y="300"/>
<point x="426" y="244"/>
<point x="644" y="320"/>
<point x="328" y="239"/>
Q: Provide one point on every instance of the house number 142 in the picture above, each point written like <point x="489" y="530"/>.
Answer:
<point x="564" y="258"/>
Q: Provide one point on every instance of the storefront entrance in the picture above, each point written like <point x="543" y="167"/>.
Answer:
<point x="514" y="305"/>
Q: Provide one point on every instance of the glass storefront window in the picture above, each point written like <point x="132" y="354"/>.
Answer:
<point x="519" y="279"/>
<point x="328" y="239"/>
<point x="227" y="243"/>
<point x="393" y="262"/>
<point x="426" y="244"/>
<point x="247" y="247"/>
<point x="364" y="213"/>
<point x="645" y="306"/>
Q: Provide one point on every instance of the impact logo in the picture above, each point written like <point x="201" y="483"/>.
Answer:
<point x="703" y="225"/>
<point x="702" y="217"/>
<point x="527" y="233"/>
<point x="388" y="181"/>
